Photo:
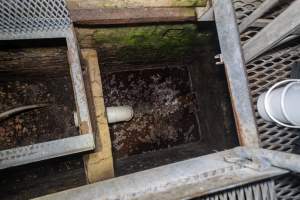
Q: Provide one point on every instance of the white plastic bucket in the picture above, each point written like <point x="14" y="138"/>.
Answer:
<point x="281" y="103"/>
<point x="119" y="114"/>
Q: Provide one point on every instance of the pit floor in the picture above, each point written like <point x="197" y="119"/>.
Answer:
<point x="164" y="109"/>
<point x="38" y="125"/>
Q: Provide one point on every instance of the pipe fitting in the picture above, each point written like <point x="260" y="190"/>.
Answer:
<point x="119" y="114"/>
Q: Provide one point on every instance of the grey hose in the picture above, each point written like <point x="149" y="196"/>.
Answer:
<point x="14" y="111"/>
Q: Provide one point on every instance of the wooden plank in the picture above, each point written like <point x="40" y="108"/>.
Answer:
<point x="100" y="16"/>
<point x="284" y="25"/>
<point x="91" y="4"/>
<point x="229" y="39"/>
<point x="99" y="165"/>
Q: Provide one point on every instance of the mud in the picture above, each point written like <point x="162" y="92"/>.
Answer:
<point x="38" y="125"/>
<point x="164" y="109"/>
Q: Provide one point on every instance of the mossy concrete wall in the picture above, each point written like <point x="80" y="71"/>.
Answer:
<point x="145" y="43"/>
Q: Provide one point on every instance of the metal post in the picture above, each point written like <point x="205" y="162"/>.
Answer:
<point x="229" y="40"/>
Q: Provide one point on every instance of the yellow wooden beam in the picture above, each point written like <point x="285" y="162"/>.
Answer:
<point x="99" y="164"/>
<point x="92" y="4"/>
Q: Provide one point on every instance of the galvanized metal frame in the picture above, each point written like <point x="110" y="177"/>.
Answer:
<point x="182" y="180"/>
<point x="56" y="148"/>
<point x="203" y="175"/>
<point x="233" y="59"/>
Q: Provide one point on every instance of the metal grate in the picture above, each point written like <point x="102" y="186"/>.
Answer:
<point x="244" y="8"/>
<point x="28" y="16"/>
<point x="258" y="191"/>
<point x="263" y="72"/>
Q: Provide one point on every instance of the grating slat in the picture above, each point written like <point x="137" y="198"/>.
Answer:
<point x="27" y="16"/>
<point x="257" y="191"/>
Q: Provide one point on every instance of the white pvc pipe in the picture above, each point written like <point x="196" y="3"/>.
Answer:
<point x="119" y="114"/>
<point x="280" y="103"/>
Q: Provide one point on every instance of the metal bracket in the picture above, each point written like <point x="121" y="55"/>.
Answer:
<point x="219" y="59"/>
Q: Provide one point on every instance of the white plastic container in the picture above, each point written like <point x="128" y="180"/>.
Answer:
<point x="119" y="114"/>
<point x="281" y="103"/>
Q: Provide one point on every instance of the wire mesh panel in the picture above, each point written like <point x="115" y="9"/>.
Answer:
<point x="244" y="8"/>
<point x="24" y="17"/>
<point x="263" y="72"/>
<point x="258" y="191"/>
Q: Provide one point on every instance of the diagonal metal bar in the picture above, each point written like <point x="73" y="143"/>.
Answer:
<point x="279" y="159"/>
<point x="229" y="40"/>
<point x="284" y="25"/>
<point x="262" y="9"/>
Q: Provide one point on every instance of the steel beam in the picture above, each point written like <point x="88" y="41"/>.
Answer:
<point x="232" y="55"/>
<point x="279" y="159"/>
<point x="182" y="180"/>
<point x="284" y="25"/>
<point x="46" y="150"/>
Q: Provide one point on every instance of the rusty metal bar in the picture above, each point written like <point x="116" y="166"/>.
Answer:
<point x="232" y="55"/>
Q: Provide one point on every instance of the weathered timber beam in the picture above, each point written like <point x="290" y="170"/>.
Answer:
<point x="99" y="164"/>
<point x="284" y="25"/>
<point x="182" y="180"/>
<point x="92" y="4"/>
<point x="232" y="54"/>
<point x="106" y="16"/>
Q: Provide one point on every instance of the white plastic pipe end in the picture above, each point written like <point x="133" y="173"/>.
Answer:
<point x="119" y="114"/>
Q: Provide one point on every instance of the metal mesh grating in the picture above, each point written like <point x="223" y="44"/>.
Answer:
<point x="262" y="73"/>
<point x="244" y="8"/>
<point x="258" y="191"/>
<point x="26" y="16"/>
